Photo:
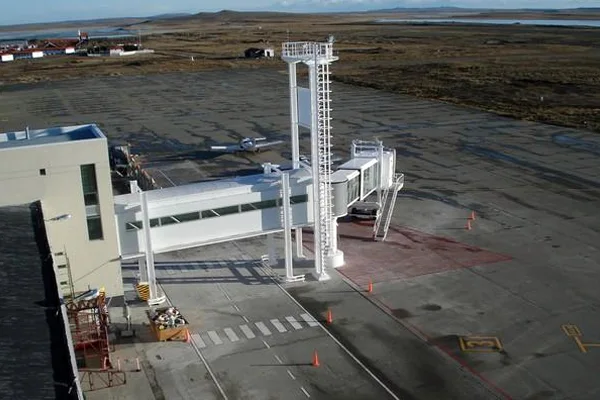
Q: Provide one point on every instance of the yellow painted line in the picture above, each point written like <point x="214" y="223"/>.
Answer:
<point x="571" y="330"/>
<point x="580" y="345"/>
<point x="480" y="344"/>
<point x="591" y="344"/>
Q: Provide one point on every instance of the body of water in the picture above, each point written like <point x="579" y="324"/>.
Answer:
<point x="546" y="22"/>
<point x="97" y="32"/>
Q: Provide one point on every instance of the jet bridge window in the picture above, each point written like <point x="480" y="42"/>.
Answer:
<point x="223" y="211"/>
<point x="259" y="205"/>
<point x="133" y="226"/>
<point x="193" y="216"/>
<point x="353" y="189"/>
<point x="168" y="220"/>
<point x="208" y="214"/>
<point x="301" y="198"/>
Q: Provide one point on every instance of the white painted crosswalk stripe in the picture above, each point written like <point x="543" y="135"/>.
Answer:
<point x="247" y="331"/>
<point x="309" y="320"/>
<point x="198" y="340"/>
<point x="278" y="325"/>
<point x="231" y="334"/>
<point x="263" y="328"/>
<point x="293" y="322"/>
<point x="214" y="337"/>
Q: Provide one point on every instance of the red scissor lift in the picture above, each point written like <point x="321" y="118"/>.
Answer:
<point x="89" y="322"/>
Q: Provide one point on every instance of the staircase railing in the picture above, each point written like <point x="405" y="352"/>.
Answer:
<point x="384" y="218"/>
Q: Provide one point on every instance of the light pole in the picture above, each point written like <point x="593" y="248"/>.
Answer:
<point x="62" y="217"/>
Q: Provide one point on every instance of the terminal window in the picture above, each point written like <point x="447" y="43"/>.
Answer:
<point x="92" y="205"/>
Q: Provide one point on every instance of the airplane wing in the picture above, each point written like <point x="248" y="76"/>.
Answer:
<point x="259" y="139"/>
<point x="225" y="148"/>
<point x="268" y="144"/>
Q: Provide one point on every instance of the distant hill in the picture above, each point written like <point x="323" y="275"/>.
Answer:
<point x="169" y="15"/>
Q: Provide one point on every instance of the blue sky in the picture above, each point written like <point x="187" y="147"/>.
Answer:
<point x="59" y="10"/>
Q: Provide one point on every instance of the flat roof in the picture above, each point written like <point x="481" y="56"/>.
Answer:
<point x="214" y="189"/>
<point x="358" y="163"/>
<point x="342" y="175"/>
<point x="33" y="347"/>
<point x="39" y="137"/>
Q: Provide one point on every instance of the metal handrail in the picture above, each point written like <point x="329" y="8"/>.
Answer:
<point x="306" y="49"/>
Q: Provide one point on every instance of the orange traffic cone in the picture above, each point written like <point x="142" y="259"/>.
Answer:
<point x="315" y="362"/>
<point x="329" y="316"/>
<point x="472" y="217"/>
<point x="370" y="289"/>
<point x="468" y="227"/>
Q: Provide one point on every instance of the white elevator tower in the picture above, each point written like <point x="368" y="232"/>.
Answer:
<point x="310" y="108"/>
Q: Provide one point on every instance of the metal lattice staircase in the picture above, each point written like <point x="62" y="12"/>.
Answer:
<point x="388" y="202"/>
<point x="318" y="56"/>
<point x="324" y="164"/>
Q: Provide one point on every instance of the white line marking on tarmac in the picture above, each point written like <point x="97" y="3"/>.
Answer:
<point x="236" y="307"/>
<point x="214" y="337"/>
<point x="198" y="340"/>
<point x="247" y="331"/>
<point x="293" y="322"/>
<point x="291" y="375"/>
<point x="266" y="344"/>
<point x="309" y="319"/>
<point x="197" y="350"/>
<point x="263" y="328"/>
<point x="278" y="359"/>
<point x="305" y="392"/>
<point x="245" y="319"/>
<point x="231" y="334"/>
<point x="306" y="316"/>
<point x="278" y="325"/>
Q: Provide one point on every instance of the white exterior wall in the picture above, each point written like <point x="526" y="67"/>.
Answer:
<point x="37" y="54"/>
<point x="171" y="237"/>
<point x="93" y="263"/>
<point x="389" y="169"/>
<point x="70" y="50"/>
<point x="7" y="57"/>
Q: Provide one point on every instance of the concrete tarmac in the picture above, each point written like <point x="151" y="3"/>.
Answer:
<point x="535" y="190"/>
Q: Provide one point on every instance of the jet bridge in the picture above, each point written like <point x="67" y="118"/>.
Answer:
<point x="200" y="214"/>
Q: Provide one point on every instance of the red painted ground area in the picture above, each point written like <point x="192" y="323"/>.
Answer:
<point x="406" y="253"/>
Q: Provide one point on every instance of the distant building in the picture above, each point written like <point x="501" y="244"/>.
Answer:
<point x="254" y="52"/>
<point x="67" y="170"/>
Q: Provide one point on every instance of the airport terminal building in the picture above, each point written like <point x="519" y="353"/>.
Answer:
<point x="67" y="170"/>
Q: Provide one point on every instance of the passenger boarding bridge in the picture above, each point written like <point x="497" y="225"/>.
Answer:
<point x="199" y="214"/>
<point x="204" y="213"/>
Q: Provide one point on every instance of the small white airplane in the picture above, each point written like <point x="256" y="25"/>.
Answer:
<point x="246" y="145"/>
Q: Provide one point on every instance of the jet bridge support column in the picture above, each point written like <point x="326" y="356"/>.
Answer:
<point x="142" y="272"/>
<point x="299" y="244"/>
<point x="154" y="297"/>
<point x="294" y="115"/>
<point x="272" y="251"/>
<point x="287" y="230"/>
<point x="335" y="258"/>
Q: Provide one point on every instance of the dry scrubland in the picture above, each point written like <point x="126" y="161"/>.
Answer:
<point x="548" y="74"/>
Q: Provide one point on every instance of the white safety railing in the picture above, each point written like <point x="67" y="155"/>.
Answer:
<point x="384" y="217"/>
<point x="307" y="50"/>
